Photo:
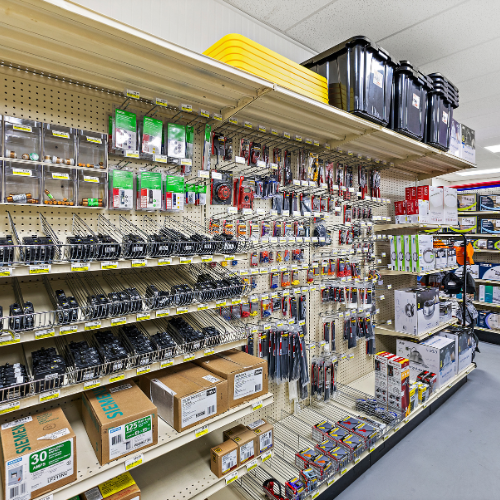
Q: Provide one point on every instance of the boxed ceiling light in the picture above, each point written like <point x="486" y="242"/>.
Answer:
<point x="416" y="310"/>
<point x="466" y="202"/>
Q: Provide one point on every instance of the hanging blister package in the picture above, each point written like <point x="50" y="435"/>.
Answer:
<point x="305" y="205"/>
<point x="190" y="194"/>
<point x="176" y="141"/>
<point x="187" y="166"/>
<point x="125" y="130"/>
<point x="121" y="189"/>
<point x="207" y="148"/>
<point x="151" y="135"/>
<point x="201" y="195"/>
<point x="148" y="191"/>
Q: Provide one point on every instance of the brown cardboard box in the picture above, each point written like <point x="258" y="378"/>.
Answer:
<point x="224" y="458"/>
<point x="229" y="433"/>
<point x="246" y="375"/>
<point x="187" y="397"/>
<point x="122" y="487"/>
<point x="38" y="454"/>
<point x="265" y="433"/>
<point x="119" y="420"/>
<point x="248" y="445"/>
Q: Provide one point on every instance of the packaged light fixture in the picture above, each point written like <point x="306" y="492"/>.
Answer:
<point x="174" y="192"/>
<point x="121" y="189"/>
<point x="151" y="131"/>
<point x="176" y="141"/>
<point x="148" y="191"/>
<point x="124" y="130"/>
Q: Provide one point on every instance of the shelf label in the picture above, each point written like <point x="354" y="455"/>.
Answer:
<point x="135" y="461"/>
<point x="62" y="135"/>
<point x="161" y="102"/>
<point x="239" y="159"/>
<point x="357" y="460"/>
<point x="330" y="482"/>
<point x="109" y="265"/>
<point x="298" y="138"/>
<point x="315" y="495"/>
<point x="202" y="431"/>
<point x="79" y="266"/>
<point x="234" y="121"/>
<point x="49" y="396"/>
<point x="209" y="351"/>
<point x="204" y="174"/>
<point x="166" y="363"/>
<point x="230" y="478"/>
<point x="217" y="117"/>
<point x="8" y="407"/>
<point x="88" y="178"/>
<point x="165" y="262"/>
<point x="143" y="369"/>
<point x="117" y="378"/>
<point x="286" y="135"/>
<point x="262" y="128"/>
<point x="144" y="316"/>
<point x="182" y="310"/>
<point x="133" y="94"/>
<point x="207" y="258"/>
<point x="189" y="357"/>
<point x="43" y="334"/>
<point x="389" y="322"/>
<point x="5" y="273"/>
<point x="40" y="269"/>
<point x="139" y="263"/>
<point x="131" y="153"/>
<point x="201" y="307"/>
<point x="229" y="257"/>
<point x="252" y="464"/>
<point x="205" y="113"/>
<point x="118" y="321"/>
<point x="65" y="330"/>
<point x="92" y="325"/>
<point x="266" y="456"/>
<point x="274" y="131"/>
<point x="257" y="405"/>
<point x="160" y="158"/>
<point x="22" y="128"/>
<point x="188" y="108"/>
<point x="247" y="125"/>
<point x="92" y="384"/>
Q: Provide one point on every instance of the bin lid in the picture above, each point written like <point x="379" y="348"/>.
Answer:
<point x="440" y="77"/>
<point x="408" y="68"/>
<point x="333" y="52"/>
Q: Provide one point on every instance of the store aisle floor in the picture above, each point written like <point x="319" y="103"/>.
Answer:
<point x="432" y="463"/>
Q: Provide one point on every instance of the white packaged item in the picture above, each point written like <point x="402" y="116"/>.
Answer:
<point x="400" y="252"/>
<point x="381" y="360"/>
<point x="445" y="311"/>
<point x="436" y="207"/>
<point x="450" y="206"/>
<point x="393" y="253"/>
<point x="426" y="260"/>
<point x="407" y="253"/>
<point x="451" y="257"/>
<point x="416" y="310"/>
<point x="463" y="347"/>
<point x="414" y="253"/>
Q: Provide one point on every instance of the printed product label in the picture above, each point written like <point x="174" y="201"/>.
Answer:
<point x="229" y="461"/>
<point x="378" y="78"/>
<point x="37" y="470"/>
<point x="266" y="440"/>
<point x="246" y="452"/>
<point x="22" y="128"/>
<point x="415" y="102"/>
<point x="94" y="140"/>
<point x="129" y="437"/>
<point x="198" y="406"/>
<point x="247" y="383"/>
<point x="445" y="117"/>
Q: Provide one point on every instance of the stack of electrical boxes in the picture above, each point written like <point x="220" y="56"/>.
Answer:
<point x="392" y="382"/>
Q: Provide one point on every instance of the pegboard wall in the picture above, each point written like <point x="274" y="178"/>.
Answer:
<point x="35" y="97"/>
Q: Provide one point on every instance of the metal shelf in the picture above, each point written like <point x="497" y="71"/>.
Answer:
<point x="491" y="330"/>
<point x="480" y="212"/>
<point x="389" y="330"/>
<point x="493" y="282"/>
<point x="389" y="272"/>
<point x="90" y="473"/>
<point x="480" y="235"/>
<point x="415" y="227"/>
<point x="65" y="40"/>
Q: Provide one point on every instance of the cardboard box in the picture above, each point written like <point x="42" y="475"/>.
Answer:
<point x="417" y="211"/>
<point x="411" y="193"/>
<point x="119" y="420"/>
<point x="425" y="249"/>
<point x="472" y="269"/>
<point x="463" y="347"/>
<point x="265" y="433"/>
<point x="400" y="212"/>
<point x="38" y="455"/>
<point x="393" y="253"/>
<point x="398" y="384"/>
<point x="407" y="252"/>
<point x="423" y="192"/>
<point x="186" y="397"/>
<point x="248" y="445"/>
<point x="455" y="138"/>
<point x="224" y="458"/>
<point x="122" y="487"/>
<point x="450" y="204"/>
<point x="233" y="431"/>
<point x="416" y="310"/>
<point x="489" y="202"/>
<point x="381" y="360"/>
<point x="488" y="319"/>
<point x="400" y="251"/>
<point x="452" y="257"/>
<point x="246" y="375"/>
<point x="490" y="226"/>
<point x="465" y="225"/>
<point x="468" y="151"/>
<point x="440" y="258"/>
<point x="436" y="205"/>
<point x="489" y="293"/>
<point x="466" y="202"/>
<point x="414" y="253"/>
<point x="436" y="355"/>
<point x="489" y="271"/>
<point x="445" y="311"/>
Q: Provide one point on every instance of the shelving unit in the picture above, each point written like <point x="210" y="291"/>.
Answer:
<point x="77" y="58"/>
<point x="390" y="272"/>
<point x="389" y="330"/>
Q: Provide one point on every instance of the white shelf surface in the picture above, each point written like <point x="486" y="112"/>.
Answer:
<point x="90" y="473"/>
<point x="415" y="227"/>
<point x="389" y="272"/>
<point x="66" y="40"/>
<point x="389" y="330"/>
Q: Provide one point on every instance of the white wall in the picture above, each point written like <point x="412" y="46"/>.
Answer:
<point x="196" y="24"/>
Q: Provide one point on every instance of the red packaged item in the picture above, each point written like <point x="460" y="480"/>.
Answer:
<point x="400" y="211"/>
<point x="422" y="192"/>
<point x="411" y="193"/>
<point x="398" y="384"/>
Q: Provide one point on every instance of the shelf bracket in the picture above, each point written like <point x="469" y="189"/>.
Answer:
<point x="351" y="137"/>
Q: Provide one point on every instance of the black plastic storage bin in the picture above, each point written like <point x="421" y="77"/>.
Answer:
<point x="359" y="76"/>
<point x="442" y="99"/>
<point x="409" y="110"/>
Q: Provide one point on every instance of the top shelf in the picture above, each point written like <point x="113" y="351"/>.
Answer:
<point x="66" y="41"/>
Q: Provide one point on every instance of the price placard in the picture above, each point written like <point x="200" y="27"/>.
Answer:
<point x="139" y="263"/>
<point x="117" y="378"/>
<point x="188" y="108"/>
<point x="161" y="102"/>
<point x="189" y="357"/>
<point x="40" y="269"/>
<point x="92" y="325"/>
<point x="135" y="461"/>
<point x="165" y="262"/>
<point x="257" y="405"/>
<point x="65" y="330"/>
<point x="162" y="313"/>
<point x="252" y="464"/>
<point x="109" y="265"/>
<point x="202" y="431"/>
<point x="43" y="334"/>
<point x="143" y="369"/>
<point x="49" y="396"/>
<point x="79" y="266"/>
<point x="91" y="384"/>
<point x="8" y="407"/>
<point x="166" y="363"/>
<point x="182" y="310"/>
<point x="231" y="478"/>
<point x="144" y="316"/>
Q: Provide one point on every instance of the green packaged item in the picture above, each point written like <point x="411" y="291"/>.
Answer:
<point x="189" y="141"/>
<point x="207" y="148"/>
<point x="125" y="130"/>
<point x="121" y="189"/>
<point x="174" y="192"/>
<point x="201" y="195"/>
<point x="148" y="190"/>
<point x="151" y="136"/>
<point x="176" y="141"/>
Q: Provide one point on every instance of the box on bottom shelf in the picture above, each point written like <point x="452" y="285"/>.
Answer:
<point x="122" y="487"/>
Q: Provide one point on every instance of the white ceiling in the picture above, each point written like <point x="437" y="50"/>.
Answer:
<point x="458" y="38"/>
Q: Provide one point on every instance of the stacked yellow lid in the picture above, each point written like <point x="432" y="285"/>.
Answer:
<point x="245" y="54"/>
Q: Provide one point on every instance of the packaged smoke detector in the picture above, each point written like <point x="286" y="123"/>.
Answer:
<point x="121" y="189"/>
<point x="124" y="130"/>
<point x="151" y="132"/>
<point x="174" y="193"/>
<point x="207" y="148"/>
<point x="176" y="141"/>
<point x="148" y="191"/>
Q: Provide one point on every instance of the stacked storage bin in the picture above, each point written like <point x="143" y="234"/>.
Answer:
<point x="359" y="75"/>
<point x="243" y="53"/>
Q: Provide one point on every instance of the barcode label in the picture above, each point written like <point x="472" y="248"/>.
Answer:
<point x="258" y="387"/>
<point x="18" y="490"/>
<point x="116" y="440"/>
<point x="211" y="410"/>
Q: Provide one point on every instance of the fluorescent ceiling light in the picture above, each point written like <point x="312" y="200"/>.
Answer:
<point x="479" y="172"/>
<point x="493" y="149"/>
